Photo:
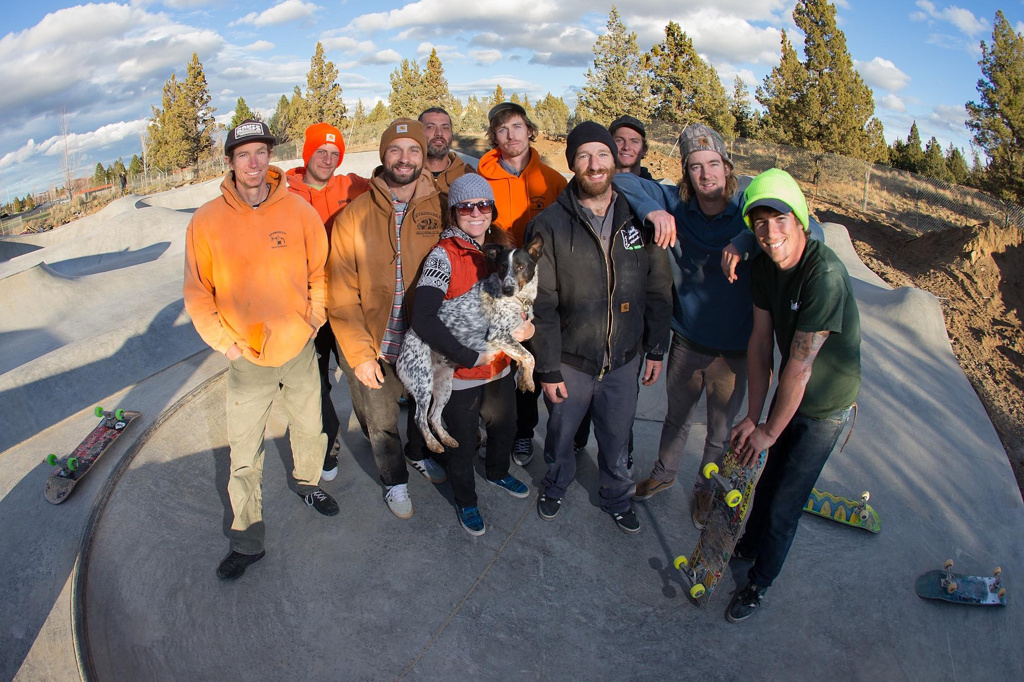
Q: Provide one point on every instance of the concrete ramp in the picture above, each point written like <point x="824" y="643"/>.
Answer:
<point x="364" y="596"/>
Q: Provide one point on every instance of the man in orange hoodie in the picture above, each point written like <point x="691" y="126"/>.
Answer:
<point x="523" y="187"/>
<point x="254" y="288"/>
<point x="322" y="152"/>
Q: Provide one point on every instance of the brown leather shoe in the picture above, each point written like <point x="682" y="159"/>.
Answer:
<point x="650" y="486"/>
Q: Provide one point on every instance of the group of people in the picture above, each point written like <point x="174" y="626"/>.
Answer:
<point x="284" y="269"/>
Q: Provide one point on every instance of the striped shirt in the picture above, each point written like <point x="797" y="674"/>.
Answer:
<point x="391" y="345"/>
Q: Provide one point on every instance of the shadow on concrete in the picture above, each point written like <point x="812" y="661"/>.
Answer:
<point x="106" y="262"/>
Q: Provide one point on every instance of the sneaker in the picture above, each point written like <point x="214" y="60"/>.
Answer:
<point x="745" y="603"/>
<point x="235" y="563"/>
<point x="330" y="471"/>
<point x="649" y="487"/>
<point x="548" y="507"/>
<point x="397" y="497"/>
<point x="471" y="520"/>
<point x="321" y="501"/>
<point x="513" y="486"/>
<point x="430" y="469"/>
<point x="627" y="521"/>
<point x="522" y="451"/>
<point x="701" y="507"/>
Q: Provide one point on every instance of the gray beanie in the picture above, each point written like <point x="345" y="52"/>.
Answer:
<point x="469" y="186"/>
<point x="699" y="137"/>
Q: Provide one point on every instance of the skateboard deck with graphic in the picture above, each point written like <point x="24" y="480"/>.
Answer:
<point x="858" y="514"/>
<point x="732" y="501"/>
<point x="70" y="469"/>
<point x="957" y="588"/>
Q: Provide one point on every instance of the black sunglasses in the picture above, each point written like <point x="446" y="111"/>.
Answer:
<point x="466" y="207"/>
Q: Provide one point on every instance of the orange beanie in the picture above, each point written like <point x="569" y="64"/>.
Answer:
<point x="318" y="135"/>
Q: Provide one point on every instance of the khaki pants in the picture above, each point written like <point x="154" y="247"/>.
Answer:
<point x="250" y="393"/>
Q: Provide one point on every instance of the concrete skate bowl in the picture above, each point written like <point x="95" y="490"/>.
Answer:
<point x="95" y="309"/>
<point x="365" y="596"/>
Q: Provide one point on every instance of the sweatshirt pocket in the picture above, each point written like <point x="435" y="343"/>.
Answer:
<point x="282" y="339"/>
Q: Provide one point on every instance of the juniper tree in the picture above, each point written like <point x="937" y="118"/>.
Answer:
<point x="407" y="90"/>
<point x="322" y="101"/>
<point x="747" y="118"/>
<point x="243" y="113"/>
<point x="280" y="120"/>
<point x="434" y="88"/>
<point x="181" y="132"/>
<point x="685" y="88"/>
<point x="957" y="165"/>
<point x="997" y="118"/>
<point x="618" y="82"/>
<point x="933" y="163"/>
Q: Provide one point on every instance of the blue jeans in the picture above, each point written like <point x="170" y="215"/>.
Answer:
<point x="792" y="469"/>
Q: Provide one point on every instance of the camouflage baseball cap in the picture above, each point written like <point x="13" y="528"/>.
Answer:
<point x="699" y="137"/>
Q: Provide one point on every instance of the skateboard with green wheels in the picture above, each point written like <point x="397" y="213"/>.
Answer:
<point x="69" y="470"/>
<point x="732" y="501"/>
<point x="856" y="513"/>
<point x="957" y="588"/>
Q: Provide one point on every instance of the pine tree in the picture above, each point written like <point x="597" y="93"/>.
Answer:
<point x="199" y="122"/>
<point x="782" y="94"/>
<point x="17" y="206"/>
<point x="618" y="83"/>
<point x="30" y="202"/>
<point x="878" y="150"/>
<point x="498" y="96"/>
<point x="181" y="132"/>
<point x="99" y="176"/>
<point x="135" y="167"/>
<point x="474" y="115"/>
<point x="552" y="115"/>
<point x="379" y="114"/>
<point x="407" y="90"/>
<point x="243" y="113"/>
<point x="322" y="102"/>
<point x="997" y="119"/>
<point x="933" y="163"/>
<point x="686" y="89"/>
<point x="909" y="155"/>
<point x="747" y="118"/>
<point x="957" y="165"/>
<point x="280" y="121"/>
<point x="434" y="91"/>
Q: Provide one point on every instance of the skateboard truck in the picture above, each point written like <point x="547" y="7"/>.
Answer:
<point x="949" y="582"/>
<point x="733" y="497"/>
<point x="682" y="564"/>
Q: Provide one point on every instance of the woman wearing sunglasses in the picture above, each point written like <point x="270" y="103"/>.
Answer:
<point x="483" y="386"/>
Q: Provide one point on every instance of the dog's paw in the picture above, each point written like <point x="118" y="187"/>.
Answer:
<point x="526" y="384"/>
<point x="433" y="445"/>
<point x="450" y="442"/>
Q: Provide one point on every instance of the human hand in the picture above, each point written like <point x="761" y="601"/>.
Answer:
<point x="664" y="228"/>
<point x="525" y="331"/>
<point x="556" y="393"/>
<point x="652" y="370"/>
<point x="485" y="358"/>
<point x="730" y="259"/>
<point x="233" y="353"/>
<point x="369" y="374"/>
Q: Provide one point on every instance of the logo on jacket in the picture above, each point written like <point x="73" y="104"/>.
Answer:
<point x="632" y="239"/>
<point x="794" y="305"/>
<point x="537" y="204"/>
<point x="277" y="240"/>
<point x="429" y="223"/>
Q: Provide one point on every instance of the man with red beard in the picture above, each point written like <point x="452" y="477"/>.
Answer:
<point x="604" y="299"/>
<point x="442" y="163"/>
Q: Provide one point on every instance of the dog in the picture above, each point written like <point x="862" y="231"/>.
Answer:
<point x="482" y="319"/>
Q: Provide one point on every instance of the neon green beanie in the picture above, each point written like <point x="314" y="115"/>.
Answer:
<point x="775" y="188"/>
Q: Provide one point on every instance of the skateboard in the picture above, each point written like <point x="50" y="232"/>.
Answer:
<point x="953" y="587"/>
<point x="734" y="496"/>
<point x="69" y="470"/>
<point x="858" y="514"/>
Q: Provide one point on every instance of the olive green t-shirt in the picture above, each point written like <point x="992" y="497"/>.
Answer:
<point x="815" y="296"/>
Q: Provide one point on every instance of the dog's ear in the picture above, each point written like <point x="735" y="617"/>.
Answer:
<point x="536" y="247"/>
<point x="492" y="251"/>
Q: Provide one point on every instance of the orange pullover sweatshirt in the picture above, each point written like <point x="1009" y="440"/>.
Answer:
<point x="255" y="276"/>
<point x="519" y="199"/>
<point x="338" y="193"/>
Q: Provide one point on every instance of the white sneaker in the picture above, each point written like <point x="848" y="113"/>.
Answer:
<point x="430" y="469"/>
<point x="397" y="497"/>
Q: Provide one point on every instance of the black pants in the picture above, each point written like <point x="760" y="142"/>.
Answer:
<point x="325" y="345"/>
<point x="495" y="403"/>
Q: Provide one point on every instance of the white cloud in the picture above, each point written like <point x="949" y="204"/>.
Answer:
<point x="346" y="44"/>
<point x="259" y="46"/>
<point x="963" y="19"/>
<point x="381" y="58"/>
<point x="77" y="142"/>
<point x="289" y="10"/>
<point x="882" y="74"/>
<point x="892" y="103"/>
<point x="485" y="56"/>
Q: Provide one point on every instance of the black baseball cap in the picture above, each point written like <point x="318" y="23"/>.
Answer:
<point x="628" y="121"/>
<point x="505" y="106"/>
<point x="248" y="131"/>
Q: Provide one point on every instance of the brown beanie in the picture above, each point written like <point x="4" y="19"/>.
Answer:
<point x="403" y="127"/>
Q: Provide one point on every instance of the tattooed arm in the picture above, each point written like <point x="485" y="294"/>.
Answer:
<point x="789" y="394"/>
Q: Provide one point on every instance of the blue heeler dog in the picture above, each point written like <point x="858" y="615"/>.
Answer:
<point x="482" y="319"/>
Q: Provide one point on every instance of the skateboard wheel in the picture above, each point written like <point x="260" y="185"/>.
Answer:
<point x="951" y="587"/>
<point x="733" y="498"/>
<point x="948" y="565"/>
<point x="51" y="459"/>
<point x="709" y="469"/>
<point x="680" y="562"/>
<point x="997" y="571"/>
<point x="697" y="591"/>
<point x="98" y="411"/>
<point x="865" y="496"/>
<point x="72" y="463"/>
<point x="1001" y="593"/>
<point x="118" y="415"/>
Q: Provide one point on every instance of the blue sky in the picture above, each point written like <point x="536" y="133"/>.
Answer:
<point x="105" y="63"/>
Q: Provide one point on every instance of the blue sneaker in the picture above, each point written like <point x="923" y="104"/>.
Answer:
<point x="471" y="520"/>
<point x="513" y="486"/>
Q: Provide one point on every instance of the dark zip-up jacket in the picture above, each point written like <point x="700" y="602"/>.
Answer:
<point x="590" y="316"/>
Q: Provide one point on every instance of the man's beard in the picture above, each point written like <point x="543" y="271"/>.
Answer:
<point x="390" y="174"/>
<point x="435" y="153"/>
<point x="593" y="188"/>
